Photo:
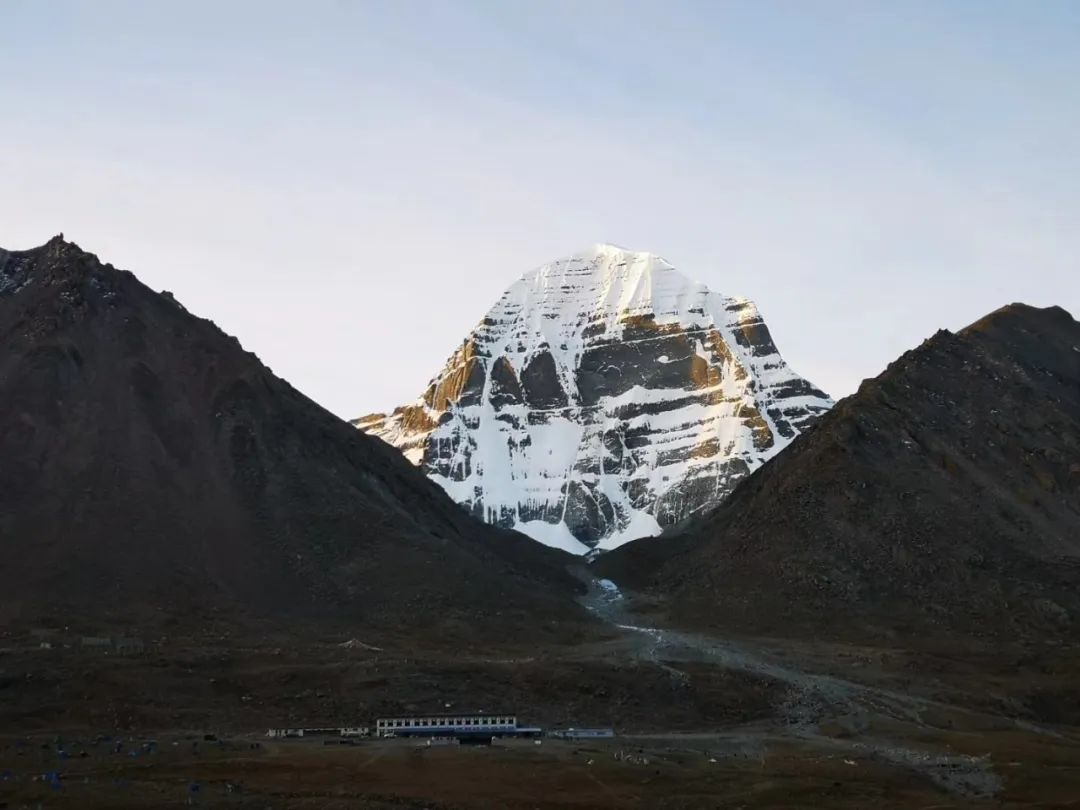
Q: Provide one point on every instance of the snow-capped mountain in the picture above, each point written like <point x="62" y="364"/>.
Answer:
<point x="604" y="397"/>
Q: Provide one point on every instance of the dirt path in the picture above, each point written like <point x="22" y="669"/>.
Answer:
<point x="811" y="699"/>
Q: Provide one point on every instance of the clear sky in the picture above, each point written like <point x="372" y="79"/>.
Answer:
<point x="349" y="186"/>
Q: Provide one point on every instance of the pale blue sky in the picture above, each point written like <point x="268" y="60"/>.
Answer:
<point x="348" y="186"/>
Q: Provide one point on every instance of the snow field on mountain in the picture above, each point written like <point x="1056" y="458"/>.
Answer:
<point x="626" y="393"/>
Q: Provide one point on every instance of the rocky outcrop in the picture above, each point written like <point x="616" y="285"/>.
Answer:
<point x="604" y="397"/>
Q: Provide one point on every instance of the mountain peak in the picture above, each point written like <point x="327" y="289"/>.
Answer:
<point x="619" y="252"/>
<point x="55" y="261"/>
<point x="602" y="259"/>
<point x="149" y="460"/>
<point x="604" y="397"/>
<point x="55" y="246"/>
<point x="1017" y="314"/>
<point x="941" y="495"/>
<point x="607" y="254"/>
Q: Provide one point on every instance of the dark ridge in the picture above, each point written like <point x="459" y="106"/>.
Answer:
<point x="151" y="465"/>
<point x="940" y="500"/>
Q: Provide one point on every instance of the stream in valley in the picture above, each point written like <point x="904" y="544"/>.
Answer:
<point x="811" y="699"/>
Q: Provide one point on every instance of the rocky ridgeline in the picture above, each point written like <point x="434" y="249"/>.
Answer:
<point x="939" y="504"/>
<point x="604" y="397"/>
<point x="150" y="467"/>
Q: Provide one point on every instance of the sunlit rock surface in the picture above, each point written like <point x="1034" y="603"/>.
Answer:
<point x="605" y="397"/>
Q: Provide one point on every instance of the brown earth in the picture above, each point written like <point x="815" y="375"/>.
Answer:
<point x="790" y="724"/>
<point x="665" y="774"/>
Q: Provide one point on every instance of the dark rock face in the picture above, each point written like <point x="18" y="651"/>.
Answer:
<point x="540" y="387"/>
<point x="942" y="498"/>
<point x="146" y="459"/>
<point x="505" y="387"/>
<point x="620" y="398"/>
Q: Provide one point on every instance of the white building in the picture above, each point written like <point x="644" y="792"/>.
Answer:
<point x="442" y="725"/>
<point x="285" y="732"/>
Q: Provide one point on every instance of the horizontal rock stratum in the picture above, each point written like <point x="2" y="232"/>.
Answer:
<point x="605" y="397"/>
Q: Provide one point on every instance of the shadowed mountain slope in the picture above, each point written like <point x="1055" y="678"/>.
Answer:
<point x="942" y="498"/>
<point x="148" y="462"/>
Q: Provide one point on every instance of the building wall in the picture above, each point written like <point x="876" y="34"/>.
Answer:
<point x="458" y="724"/>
